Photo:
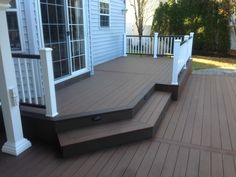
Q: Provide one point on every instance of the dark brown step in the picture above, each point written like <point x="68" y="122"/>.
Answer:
<point x="142" y="126"/>
<point x="86" y="119"/>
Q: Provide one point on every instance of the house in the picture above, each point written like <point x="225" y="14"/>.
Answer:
<point x="77" y="31"/>
<point x="54" y="45"/>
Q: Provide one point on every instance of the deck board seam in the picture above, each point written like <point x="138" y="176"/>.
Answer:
<point x="195" y="146"/>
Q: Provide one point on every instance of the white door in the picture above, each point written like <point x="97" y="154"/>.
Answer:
<point x="63" y="30"/>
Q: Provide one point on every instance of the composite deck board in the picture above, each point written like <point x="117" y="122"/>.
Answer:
<point x="169" y="132"/>
<point x="192" y="155"/>
<point x="197" y="128"/>
<point x="215" y="125"/>
<point x="113" y="162"/>
<point x="205" y="164"/>
<point x="230" y="113"/>
<point x="148" y="160"/>
<point x="193" y="163"/>
<point x="216" y="165"/>
<point x="183" y="117"/>
<point x="119" y="170"/>
<point x="188" y="127"/>
<point x="170" y="162"/>
<point x="159" y="161"/>
<point x="224" y="129"/>
<point x="101" y="162"/>
<point x="181" y="162"/>
<point x="136" y="160"/>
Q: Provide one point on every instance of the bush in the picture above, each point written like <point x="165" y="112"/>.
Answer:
<point x="208" y="19"/>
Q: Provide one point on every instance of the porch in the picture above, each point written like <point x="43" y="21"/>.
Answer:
<point x="194" y="139"/>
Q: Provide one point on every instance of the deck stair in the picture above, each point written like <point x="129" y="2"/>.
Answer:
<point x="142" y="126"/>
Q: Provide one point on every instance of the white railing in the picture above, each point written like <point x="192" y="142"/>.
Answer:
<point x="166" y="44"/>
<point x="29" y="79"/>
<point x="182" y="53"/>
<point x="35" y="80"/>
<point x="151" y="45"/>
<point x="139" y="44"/>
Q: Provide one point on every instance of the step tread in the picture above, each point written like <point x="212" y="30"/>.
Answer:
<point x="145" y="118"/>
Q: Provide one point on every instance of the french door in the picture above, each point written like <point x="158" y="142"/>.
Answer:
<point x="63" y="30"/>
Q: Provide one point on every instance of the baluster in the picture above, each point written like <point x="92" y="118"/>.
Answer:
<point x="21" y="80"/>
<point x="28" y="90"/>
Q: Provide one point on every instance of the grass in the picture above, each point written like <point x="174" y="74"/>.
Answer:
<point x="203" y="62"/>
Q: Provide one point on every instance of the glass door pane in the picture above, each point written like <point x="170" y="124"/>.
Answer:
<point x="54" y="30"/>
<point x="77" y="39"/>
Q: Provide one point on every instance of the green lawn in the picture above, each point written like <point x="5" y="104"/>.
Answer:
<point x="202" y="62"/>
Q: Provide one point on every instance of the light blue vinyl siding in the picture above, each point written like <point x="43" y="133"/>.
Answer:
<point x="107" y="43"/>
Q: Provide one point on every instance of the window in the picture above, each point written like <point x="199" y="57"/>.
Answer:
<point x="13" y="27"/>
<point x="104" y="13"/>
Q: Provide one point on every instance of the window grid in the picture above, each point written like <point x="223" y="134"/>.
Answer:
<point x="54" y="27"/>
<point x="104" y="13"/>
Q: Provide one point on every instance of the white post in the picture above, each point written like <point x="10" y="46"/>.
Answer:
<point x="125" y="45"/>
<point x="48" y="82"/>
<point x="175" y="62"/>
<point x="16" y="143"/>
<point x="155" y="46"/>
<point x="186" y="51"/>
<point x="191" y="44"/>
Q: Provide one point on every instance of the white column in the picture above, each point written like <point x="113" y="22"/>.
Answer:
<point x="175" y="73"/>
<point x="155" y="46"/>
<point x="48" y="82"/>
<point x="16" y="143"/>
<point x="191" y="44"/>
<point x="186" y="51"/>
<point x="125" y="45"/>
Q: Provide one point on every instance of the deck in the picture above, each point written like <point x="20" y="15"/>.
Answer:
<point x="109" y="108"/>
<point x="197" y="137"/>
<point x="114" y="85"/>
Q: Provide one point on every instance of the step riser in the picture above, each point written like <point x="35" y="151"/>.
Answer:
<point x="106" y="142"/>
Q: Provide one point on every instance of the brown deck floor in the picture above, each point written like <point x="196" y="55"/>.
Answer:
<point x="114" y="85"/>
<point x="197" y="137"/>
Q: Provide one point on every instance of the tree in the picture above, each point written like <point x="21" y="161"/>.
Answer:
<point x="142" y="9"/>
<point x="209" y="19"/>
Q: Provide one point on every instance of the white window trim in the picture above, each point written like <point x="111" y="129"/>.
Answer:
<point x="104" y="27"/>
<point x="17" y="10"/>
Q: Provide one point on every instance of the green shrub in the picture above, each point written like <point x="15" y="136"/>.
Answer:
<point x="208" y="19"/>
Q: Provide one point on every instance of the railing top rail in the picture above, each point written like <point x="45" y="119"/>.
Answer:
<point x="171" y="36"/>
<point x="139" y="36"/>
<point x="24" y="56"/>
<point x="183" y="42"/>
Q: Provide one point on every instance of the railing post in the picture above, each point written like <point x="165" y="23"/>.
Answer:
<point x="125" y="45"/>
<point x="186" y="51"/>
<point x="155" y="45"/>
<point x="48" y="81"/>
<point x="16" y="143"/>
<point x="175" y="62"/>
<point x="191" y="44"/>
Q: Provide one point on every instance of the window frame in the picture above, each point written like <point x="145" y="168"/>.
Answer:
<point x="16" y="10"/>
<point x="103" y="14"/>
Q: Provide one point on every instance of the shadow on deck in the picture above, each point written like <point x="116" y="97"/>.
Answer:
<point x="123" y="102"/>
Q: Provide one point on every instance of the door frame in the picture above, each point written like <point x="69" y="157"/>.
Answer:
<point x="86" y="42"/>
